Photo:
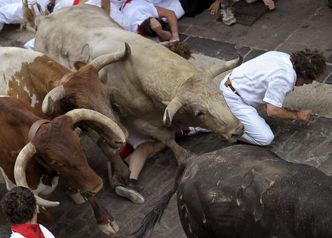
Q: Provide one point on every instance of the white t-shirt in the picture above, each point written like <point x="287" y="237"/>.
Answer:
<point x="45" y="231"/>
<point x="173" y="5"/>
<point x="136" y="12"/>
<point x="267" y="78"/>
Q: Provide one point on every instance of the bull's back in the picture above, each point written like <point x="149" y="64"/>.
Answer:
<point x="11" y="67"/>
<point x="150" y="66"/>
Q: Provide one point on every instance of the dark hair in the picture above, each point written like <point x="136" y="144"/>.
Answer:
<point x="19" y="205"/>
<point x="146" y="30"/>
<point x="308" y="64"/>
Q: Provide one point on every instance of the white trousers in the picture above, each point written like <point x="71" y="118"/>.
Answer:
<point x="256" y="130"/>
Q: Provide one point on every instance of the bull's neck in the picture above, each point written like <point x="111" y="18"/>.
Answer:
<point x="48" y="71"/>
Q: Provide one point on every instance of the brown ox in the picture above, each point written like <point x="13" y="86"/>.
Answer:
<point x="55" y="148"/>
<point x="37" y="80"/>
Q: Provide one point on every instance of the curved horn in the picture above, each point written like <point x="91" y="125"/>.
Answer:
<point x="89" y="115"/>
<point x="21" y="162"/>
<point x="53" y="96"/>
<point x="107" y="59"/>
<point x="219" y="68"/>
<point x="171" y="110"/>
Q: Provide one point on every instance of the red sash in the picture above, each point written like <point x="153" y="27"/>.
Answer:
<point x="124" y="4"/>
<point x="76" y="2"/>
<point x="125" y="151"/>
<point x="28" y="230"/>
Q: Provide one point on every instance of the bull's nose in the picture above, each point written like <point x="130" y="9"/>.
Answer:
<point x="239" y="131"/>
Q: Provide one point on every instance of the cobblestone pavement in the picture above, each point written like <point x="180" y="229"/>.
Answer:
<point x="303" y="21"/>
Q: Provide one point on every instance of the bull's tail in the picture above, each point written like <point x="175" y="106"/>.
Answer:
<point x="154" y="216"/>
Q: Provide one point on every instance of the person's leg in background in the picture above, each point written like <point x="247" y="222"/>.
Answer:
<point x="136" y="162"/>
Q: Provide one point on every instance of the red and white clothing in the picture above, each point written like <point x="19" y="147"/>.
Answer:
<point x="11" y="10"/>
<point x="267" y="78"/>
<point x="30" y="231"/>
<point x="136" y="11"/>
<point x="174" y="5"/>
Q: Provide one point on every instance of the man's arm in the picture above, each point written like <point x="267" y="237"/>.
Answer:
<point x="279" y="112"/>
<point x="214" y="8"/>
<point x="105" y="4"/>
<point x="172" y="21"/>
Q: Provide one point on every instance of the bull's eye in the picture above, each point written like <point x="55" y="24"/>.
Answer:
<point x="199" y="114"/>
<point x="54" y="162"/>
<point x="116" y="108"/>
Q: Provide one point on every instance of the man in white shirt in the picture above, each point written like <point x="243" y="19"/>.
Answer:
<point x="264" y="82"/>
<point x="19" y="205"/>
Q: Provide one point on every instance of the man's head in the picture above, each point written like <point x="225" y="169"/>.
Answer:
<point x="153" y="27"/>
<point x="308" y="65"/>
<point x="19" y="204"/>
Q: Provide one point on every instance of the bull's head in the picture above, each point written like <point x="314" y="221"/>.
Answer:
<point x="59" y="145"/>
<point x="202" y="99"/>
<point x="83" y="89"/>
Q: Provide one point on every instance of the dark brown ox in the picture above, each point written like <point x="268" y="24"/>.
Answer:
<point x="34" y="151"/>
<point x="51" y="88"/>
<point x="245" y="191"/>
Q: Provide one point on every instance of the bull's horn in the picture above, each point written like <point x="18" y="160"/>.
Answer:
<point x="21" y="162"/>
<point x="89" y="115"/>
<point x="53" y="96"/>
<point x="171" y="110"/>
<point x="219" y="68"/>
<point x="107" y="59"/>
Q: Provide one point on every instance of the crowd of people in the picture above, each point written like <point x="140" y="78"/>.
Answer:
<point x="148" y="17"/>
<point x="260" y="83"/>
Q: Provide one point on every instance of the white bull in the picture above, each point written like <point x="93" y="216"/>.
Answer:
<point x="155" y="90"/>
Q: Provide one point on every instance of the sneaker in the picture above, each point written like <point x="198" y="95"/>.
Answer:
<point x="191" y="131"/>
<point x="130" y="191"/>
<point x="269" y="4"/>
<point x="228" y="17"/>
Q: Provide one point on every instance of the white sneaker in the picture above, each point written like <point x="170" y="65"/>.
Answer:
<point x="228" y="17"/>
<point x="195" y="130"/>
<point x="1" y="25"/>
<point x="269" y="4"/>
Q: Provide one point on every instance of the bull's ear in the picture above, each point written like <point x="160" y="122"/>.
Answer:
<point x="79" y="64"/>
<point x="219" y="68"/>
<point x="171" y="110"/>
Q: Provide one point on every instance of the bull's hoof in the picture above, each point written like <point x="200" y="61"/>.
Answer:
<point x="77" y="198"/>
<point x="109" y="228"/>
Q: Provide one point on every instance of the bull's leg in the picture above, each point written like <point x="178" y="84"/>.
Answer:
<point x="164" y="135"/>
<point x="105" y="221"/>
<point x="121" y="170"/>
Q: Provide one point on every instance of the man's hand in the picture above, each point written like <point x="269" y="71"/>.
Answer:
<point x="214" y="8"/>
<point x="303" y="114"/>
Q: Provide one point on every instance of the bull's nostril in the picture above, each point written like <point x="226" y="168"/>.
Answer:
<point x="239" y="131"/>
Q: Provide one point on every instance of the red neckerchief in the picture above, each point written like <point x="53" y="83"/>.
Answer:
<point x="124" y="4"/>
<point x="76" y="2"/>
<point x="28" y="230"/>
